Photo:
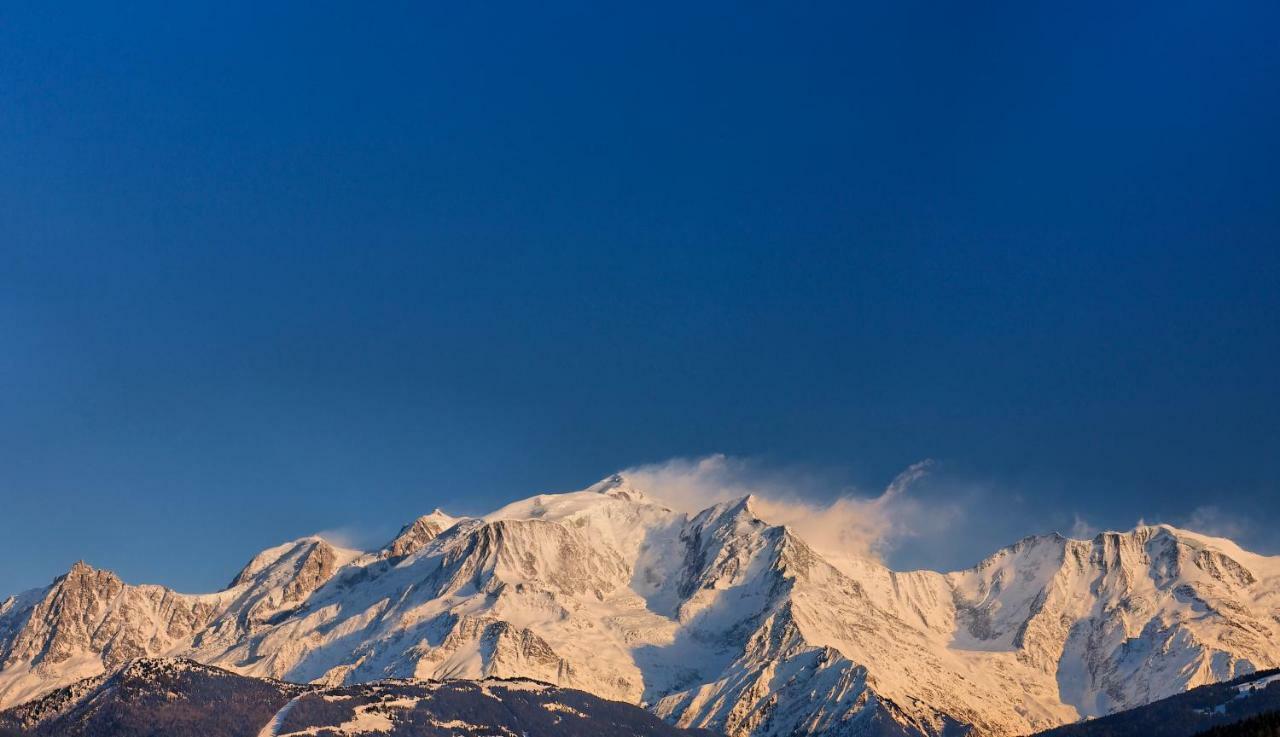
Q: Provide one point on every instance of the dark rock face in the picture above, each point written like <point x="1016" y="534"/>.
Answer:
<point x="181" y="698"/>
<point x="67" y="616"/>
<point x="316" y="566"/>
<point x="415" y="536"/>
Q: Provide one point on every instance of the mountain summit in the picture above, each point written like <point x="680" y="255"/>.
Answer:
<point x="716" y="620"/>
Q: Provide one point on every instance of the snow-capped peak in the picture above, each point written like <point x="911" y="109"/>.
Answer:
<point x="620" y="486"/>
<point x="266" y="563"/>
<point x="417" y="534"/>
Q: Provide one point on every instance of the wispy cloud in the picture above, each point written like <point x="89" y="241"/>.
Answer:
<point x="1082" y="530"/>
<point x="1212" y="520"/>
<point x="851" y="523"/>
<point x="355" y="538"/>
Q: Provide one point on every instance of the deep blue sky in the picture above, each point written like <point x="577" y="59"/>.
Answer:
<point x="271" y="270"/>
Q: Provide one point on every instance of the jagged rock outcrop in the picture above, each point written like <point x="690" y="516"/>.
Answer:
<point x="415" y="535"/>
<point x="89" y="612"/>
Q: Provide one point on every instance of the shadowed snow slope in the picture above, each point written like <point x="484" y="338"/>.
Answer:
<point x="717" y="620"/>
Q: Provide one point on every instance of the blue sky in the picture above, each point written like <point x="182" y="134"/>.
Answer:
<point x="268" y="271"/>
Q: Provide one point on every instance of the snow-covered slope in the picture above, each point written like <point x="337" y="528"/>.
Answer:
<point x="717" y="620"/>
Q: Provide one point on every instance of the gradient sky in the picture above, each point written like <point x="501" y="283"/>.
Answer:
<point x="266" y="271"/>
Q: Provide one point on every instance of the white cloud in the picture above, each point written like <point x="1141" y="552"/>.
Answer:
<point x="850" y="524"/>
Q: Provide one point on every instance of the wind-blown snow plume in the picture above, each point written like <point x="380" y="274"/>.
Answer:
<point x="851" y="524"/>
<point x="1213" y="520"/>
<point x="1081" y="529"/>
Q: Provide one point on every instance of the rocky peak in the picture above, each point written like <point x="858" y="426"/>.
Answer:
<point x="315" y="566"/>
<point x="297" y="567"/>
<point x="89" y="620"/>
<point x="415" y="535"/>
<point x="66" y="619"/>
<point x="81" y="575"/>
<point x="619" y="486"/>
<point x="730" y="518"/>
<point x="80" y="568"/>
<point x="280" y="579"/>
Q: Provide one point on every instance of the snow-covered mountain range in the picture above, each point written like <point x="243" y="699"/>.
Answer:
<point x="717" y="620"/>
